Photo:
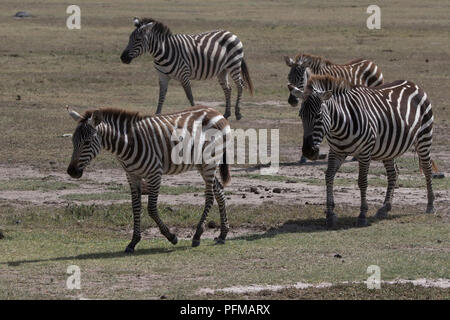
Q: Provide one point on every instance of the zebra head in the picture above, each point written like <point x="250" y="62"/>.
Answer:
<point x="297" y="77"/>
<point x="315" y="119"/>
<point x="86" y="142"/>
<point x="139" y="40"/>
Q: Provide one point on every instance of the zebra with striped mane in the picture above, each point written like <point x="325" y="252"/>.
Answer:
<point x="378" y="123"/>
<point x="143" y="145"/>
<point x="186" y="57"/>
<point x="358" y="72"/>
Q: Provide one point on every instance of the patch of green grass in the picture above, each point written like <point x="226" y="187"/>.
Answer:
<point x="122" y="192"/>
<point x="31" y="184"/>
<point x="297" y="248"/>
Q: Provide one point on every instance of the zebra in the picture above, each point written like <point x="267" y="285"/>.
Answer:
<point x="359" y="71"/>
<point x="143" y="146"/>
<point x="191" y="57"/>
<point x="379" y="123"/>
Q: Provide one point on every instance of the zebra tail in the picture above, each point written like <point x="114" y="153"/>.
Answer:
<point x="224" y="169"/>
<point x="246" y="76"/>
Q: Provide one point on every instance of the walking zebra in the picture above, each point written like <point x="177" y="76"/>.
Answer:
<point x="359" y="72"/>
<point x="143" y="145"/>
<point x="370" y="123"/>
<point x="190" y="57"/>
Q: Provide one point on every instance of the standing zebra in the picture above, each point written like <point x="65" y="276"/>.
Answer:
<point x="370" y="123"/>
<point x="359" y="72"/>
<point x="190" y="57"/>
<point x="143" y="146"/>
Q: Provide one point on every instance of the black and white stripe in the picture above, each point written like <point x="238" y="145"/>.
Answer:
<point x="190" y="57"/>
<point x="143" y="145"/>
<point x="378" y="123"/>
<point x="359" y="72"/>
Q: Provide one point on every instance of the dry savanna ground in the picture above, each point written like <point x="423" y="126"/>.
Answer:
<point x="278" y="246"/>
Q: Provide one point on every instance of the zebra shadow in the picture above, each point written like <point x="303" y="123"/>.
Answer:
<point x="312" y="225"/>
<point x="101" y="255"/>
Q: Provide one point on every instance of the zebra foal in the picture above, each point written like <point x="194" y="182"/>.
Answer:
<point x="143" y="145"/>
<point x="357" y="72"/>
<point x="378" y="123"/>
<point x="186" y="57"/>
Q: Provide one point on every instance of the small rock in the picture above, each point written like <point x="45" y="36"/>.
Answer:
<point x="195" y="195"/>
<point x="254" y="190"/>
<point x="439" y="241"/>
<point x="337" y="255"/>
<point x="22" y="14"/>
<point x="244" y="196"/>
<point x="276" y="190"/>
<point x="426" y="60"/>
<point x="262" y="197"/>
<point x="18" y="221"/>
<point x="266" y="189"/>
<point x="438" y="176"/>
<point x="1" y="235"/>
<point x="52" y="162"/>
<point x="18" y="97"/>
<point x="212" y="224"/>
<point x="163" y="297"/>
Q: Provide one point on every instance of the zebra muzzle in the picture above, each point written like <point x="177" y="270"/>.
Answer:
<point x="125" y="57"/>
<point x="74" y="172"/>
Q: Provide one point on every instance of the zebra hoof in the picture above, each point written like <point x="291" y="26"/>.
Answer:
<point x="381" y="214"/>
<point x="430" y="210"/>
<point x="219" y="241"/>
<point x="331" y="221"/>
<point x="238" y="116"/>
<point x="361" y="222"/>
<point x="174" y="239"/>
<point x="195" y="243"/>
<point x="226" y="115"/>
<point x="129" y="250"/>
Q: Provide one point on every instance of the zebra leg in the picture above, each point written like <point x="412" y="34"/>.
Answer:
<point x="364" y="163"/>
<point x="236" y="76"/>
<point x="223" y="81"/>
<point x="153" y="192"/>
<point x="334" y="163"/>
<point x="135" y="186"/>
<point x="392" y="174"/>
<point x="220" y="198"/>
<point x="208" y="174"/>
<point x="186" y="83"/>
<point x="425" y="163"/>
<point x="163" y="85"/>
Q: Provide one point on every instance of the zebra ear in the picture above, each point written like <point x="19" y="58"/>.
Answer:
<point x="95" y="118"/>
<point x="324" y="96"/>
<point x="289" y="61"/>
<point x="136" y="22"/>
<point x="296" y="92"/>
<point x="75" y="115"/>
<point x="146" y="25"/>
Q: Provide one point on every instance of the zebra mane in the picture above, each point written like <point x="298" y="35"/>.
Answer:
<point x="114" y="113"/>
<point x="326" y="83"/>
<point x="158" y="28"/>
<point x="311" y="60"/>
